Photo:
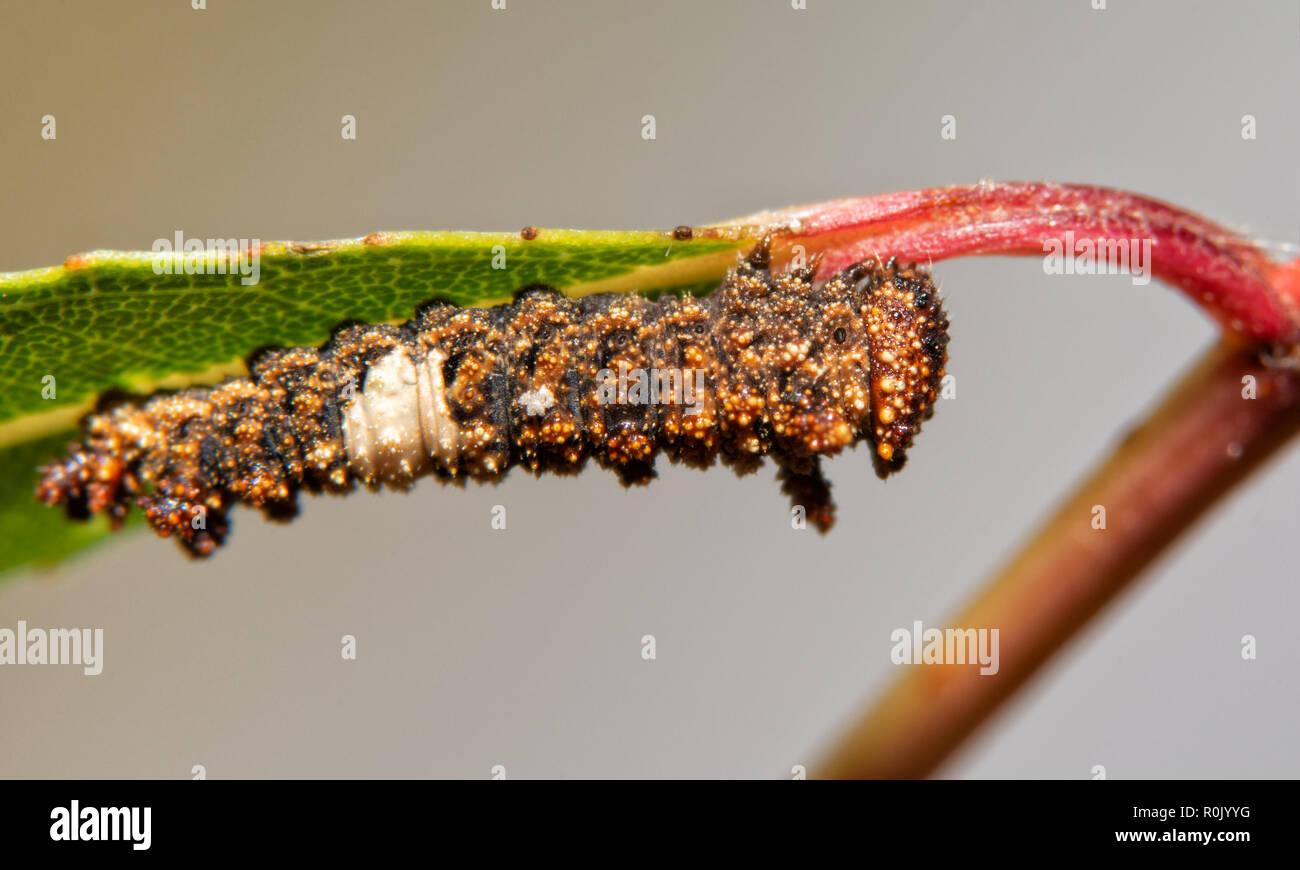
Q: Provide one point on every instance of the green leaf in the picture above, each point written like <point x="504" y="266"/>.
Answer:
<point x="113" y="321"/>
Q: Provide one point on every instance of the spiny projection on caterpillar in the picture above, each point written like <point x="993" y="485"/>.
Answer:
<point x="777" y="365"/>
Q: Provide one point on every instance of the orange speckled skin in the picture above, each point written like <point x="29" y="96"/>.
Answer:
<point x="790" y="369"/>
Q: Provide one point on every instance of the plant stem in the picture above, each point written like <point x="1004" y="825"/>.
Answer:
<point x="1230" y="277"/>
<point x="1203" y="440"/>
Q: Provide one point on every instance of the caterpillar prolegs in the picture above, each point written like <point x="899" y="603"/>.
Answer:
<point x="776" y="365"/>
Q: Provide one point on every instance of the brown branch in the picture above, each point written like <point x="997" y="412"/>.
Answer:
<point x="1203" y="440"/>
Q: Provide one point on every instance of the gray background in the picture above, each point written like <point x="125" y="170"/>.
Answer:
<point x="522" y="647"/>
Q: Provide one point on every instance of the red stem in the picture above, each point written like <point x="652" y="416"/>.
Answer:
<point x="1232" y="278"/>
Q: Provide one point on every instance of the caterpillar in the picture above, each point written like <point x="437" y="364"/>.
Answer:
<point x="767" y="364"/>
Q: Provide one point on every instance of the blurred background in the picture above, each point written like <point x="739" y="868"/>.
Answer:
<point x="522" y="647"/>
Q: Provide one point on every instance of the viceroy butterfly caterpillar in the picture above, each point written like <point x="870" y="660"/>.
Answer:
<point x="786" y="366"/>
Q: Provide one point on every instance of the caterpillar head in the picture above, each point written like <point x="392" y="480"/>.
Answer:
<point x="881" y="339"/>
<point x="858" y="356"/>
<point x="907" y="339"/>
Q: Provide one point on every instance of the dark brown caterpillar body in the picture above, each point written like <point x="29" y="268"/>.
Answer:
<point x="766" y="365"/>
